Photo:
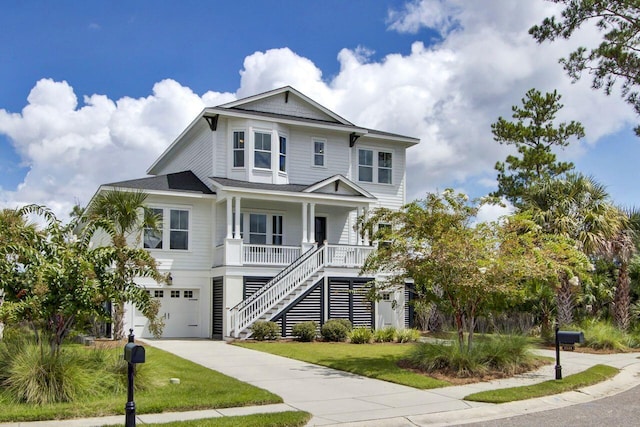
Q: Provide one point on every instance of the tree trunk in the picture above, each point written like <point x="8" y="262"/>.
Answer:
<point x="622" y="298"/>
<point x="564" y="301"/>
<point x="118" y="321"/>
<point x="460" y="326"/>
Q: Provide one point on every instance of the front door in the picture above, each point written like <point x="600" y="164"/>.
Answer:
<point x="321" y="229"/>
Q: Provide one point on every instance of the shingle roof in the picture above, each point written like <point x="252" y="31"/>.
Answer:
<point x="291" y="188"/>
<point x="180" y="181"/>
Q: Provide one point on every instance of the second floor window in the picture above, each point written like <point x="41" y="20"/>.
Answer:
<point x="283" y="154"/>
<point x="380" y="172"/>
<point x="318" y="153"/>
<point x="238" y="149"/>
<point x="262" y="150"/>
<point x="365" y="165"/>
<point x="179" y="229"/>
<point x="153" y="237"/>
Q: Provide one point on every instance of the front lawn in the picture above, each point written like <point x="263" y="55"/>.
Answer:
<point x="199" y="388"/>
<point x="378" y="361"/>
<point x="593" y="375"/>
<point x="277" y="419"/>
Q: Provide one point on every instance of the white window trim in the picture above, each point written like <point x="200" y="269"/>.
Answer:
<point x="286" y="153"/>
<point x="231" y="149"/>
<point x="374" y="176"/>
<point x="313" y="153"/>
<point x="166" y="229"/>
<point x="253" y="148"/>
<point x="246" y="214"/>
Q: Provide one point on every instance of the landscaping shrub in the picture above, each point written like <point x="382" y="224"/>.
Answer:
<point x="305" y="331"/>
<point x="41" y="377"/>
<point x="336" y="330"/>
<point x="408" y="335"/>
<point x="503" y="354"/>
<point x="262" y="330"/>
<point x="361" y="335"/>
<point x="387" y="334"/>
<point x="605" y="336"/>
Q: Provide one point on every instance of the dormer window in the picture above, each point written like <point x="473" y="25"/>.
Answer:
<point x="238" y="149"/>
<point x="262" y="150"/>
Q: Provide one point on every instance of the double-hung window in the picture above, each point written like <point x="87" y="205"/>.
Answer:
<point x="258" y="229"/>
<point x="384" y="167"/>
<point x="318" y="152"/>
<point x="153" y="236"/>
<point x="283" y="154"/>
<point x="262" y="150"/>
<point x="238" y="149"/>
<point x="179" y="229"/>
<point x="365" y="165"/>
<point x="380" y="172"/>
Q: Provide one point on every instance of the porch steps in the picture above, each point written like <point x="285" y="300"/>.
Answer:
<point x="285" y="303"/>
<point x="279" y="292"/>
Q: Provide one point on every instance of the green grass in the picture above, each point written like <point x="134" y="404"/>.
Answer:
<point x="277" y="419"/>
<point x="200" y="388"/>
<point x="593" y="375"/>
<point x="378" y="361"/>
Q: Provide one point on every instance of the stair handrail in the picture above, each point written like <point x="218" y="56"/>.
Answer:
<point x="236" y="328"/>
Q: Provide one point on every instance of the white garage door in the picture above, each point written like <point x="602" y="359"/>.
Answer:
<point x="180" y="311"/>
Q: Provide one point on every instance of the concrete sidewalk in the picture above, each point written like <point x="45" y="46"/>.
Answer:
<point x="335" y="397"/>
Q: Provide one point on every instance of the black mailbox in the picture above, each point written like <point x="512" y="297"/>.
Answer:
<point x="570" y="337"/>
<point x="133" y="353"/>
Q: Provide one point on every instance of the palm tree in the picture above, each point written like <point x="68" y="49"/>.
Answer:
<point x="127" y="212"/>
<point x="577" y="207"/>
<point x="621" y="249"/>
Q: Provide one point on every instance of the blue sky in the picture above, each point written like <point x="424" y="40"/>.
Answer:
<point x="438" y="70"/>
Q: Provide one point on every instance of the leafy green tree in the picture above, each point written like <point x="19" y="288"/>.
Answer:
<point x="46" y="276"/>
<point x="534" y="134"/>
<point x="128" y="214"/>
<point x="465" y="268"/>
<point x="616" y="58"/>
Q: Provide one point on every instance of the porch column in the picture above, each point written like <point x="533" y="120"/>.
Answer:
<point x="364" y="230"/>
<point x="312" y="223"/>
<point x="359" y="237"/>
<point x="304" y="222"/>
<point x="229" y="218"/>
<point x="236" y="235"/>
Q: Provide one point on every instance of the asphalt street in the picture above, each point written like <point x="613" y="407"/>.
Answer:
<point x="621" y="410"/>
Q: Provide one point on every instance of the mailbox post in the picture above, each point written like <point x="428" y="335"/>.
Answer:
<point x="565" y="338"/>
<point x="133" y="354"/>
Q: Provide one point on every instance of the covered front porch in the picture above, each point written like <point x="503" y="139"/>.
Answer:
<point x="273" y="227"/>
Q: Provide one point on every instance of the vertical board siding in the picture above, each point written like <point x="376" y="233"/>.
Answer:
<point x="305" y="309"/>
<point x="217" y="307"/>
<point x="347" y="300"/>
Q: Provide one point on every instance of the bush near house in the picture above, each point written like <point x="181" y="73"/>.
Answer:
<point x="305" y="331"/>
<point x="408" y="335"/>
<point x="336" y="330"/>
<point x="387" y="334"/>
<point x="262" y="330"/>
<point x="361" y="335"/>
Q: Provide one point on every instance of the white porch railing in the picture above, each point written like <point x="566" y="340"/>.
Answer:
<point x="347" y="255"/>
<point x="277" y="289"/>
<point x="269" y="254"/>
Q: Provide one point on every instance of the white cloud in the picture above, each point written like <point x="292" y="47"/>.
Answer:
<point x="446" y="94"/>
<point x="71" y="150"/>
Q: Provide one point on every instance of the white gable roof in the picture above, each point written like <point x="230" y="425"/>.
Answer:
<point x="288" y="101"/>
